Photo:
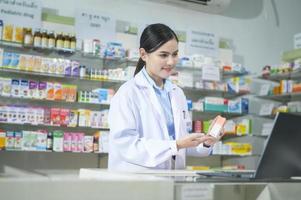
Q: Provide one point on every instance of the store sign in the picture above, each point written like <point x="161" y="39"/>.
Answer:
<point x="199" y="42"/>
<point x="297" y="41"/>
<point x="91" y="24"/>
<point x="23" y="13"/>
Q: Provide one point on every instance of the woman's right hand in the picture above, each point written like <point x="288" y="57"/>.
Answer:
<point x="192" y="140"/>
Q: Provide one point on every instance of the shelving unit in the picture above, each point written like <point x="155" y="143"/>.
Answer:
<point x="215" y="160"/>
<point x="85" y="84"/>
<point x="50" y="159"/>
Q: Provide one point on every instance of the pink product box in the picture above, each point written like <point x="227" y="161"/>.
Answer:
<point x="67" y="141"/>
<point x="80" y="142"/>
<point x="74" y="142"/>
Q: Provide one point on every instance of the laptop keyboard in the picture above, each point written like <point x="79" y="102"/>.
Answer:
<point x="227" y="174"/>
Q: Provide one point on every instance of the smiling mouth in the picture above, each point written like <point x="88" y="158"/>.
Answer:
<point x="168" y="69"/>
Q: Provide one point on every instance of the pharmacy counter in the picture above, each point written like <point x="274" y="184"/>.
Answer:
<point x="62" y="185"/>
<point x="189" y="186"/>
<point x="152" y="185"/>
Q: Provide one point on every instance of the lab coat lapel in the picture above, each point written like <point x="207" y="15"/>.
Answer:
<point x="152" y="100"/>
<point x="176" y="111"/>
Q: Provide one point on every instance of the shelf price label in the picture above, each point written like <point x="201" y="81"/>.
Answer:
<point x="264" y="89"/>
<point x="92" y="24"/>
<point x="266" y="109"/>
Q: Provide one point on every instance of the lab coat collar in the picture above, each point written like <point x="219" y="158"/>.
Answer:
<point x="142" y="80"/>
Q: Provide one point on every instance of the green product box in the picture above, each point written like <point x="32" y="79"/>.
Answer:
<point x="206" y="125"/>
<point x="215" y="107"/>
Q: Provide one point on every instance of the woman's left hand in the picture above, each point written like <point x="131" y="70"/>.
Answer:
<point x="212" y="140"/>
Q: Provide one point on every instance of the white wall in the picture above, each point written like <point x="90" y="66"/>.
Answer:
<point x="257" y="40"/>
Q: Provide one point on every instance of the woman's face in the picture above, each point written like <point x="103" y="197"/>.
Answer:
<point x="160" y="64"/>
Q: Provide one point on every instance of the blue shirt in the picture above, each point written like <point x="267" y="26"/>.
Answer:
<point x="163" y="97"/>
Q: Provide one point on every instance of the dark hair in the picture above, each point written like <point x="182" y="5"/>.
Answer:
<point x="152" y="38"/>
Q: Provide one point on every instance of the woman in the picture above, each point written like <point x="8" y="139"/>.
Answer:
<point x="148" y="115"/>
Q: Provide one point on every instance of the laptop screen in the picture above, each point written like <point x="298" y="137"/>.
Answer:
<point x="282" y="153"/>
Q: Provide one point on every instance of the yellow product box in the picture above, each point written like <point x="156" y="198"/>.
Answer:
<point x="71" y="95"/>
<point x="241" y="129"/>
<point x="18" y="34"/>
<point x="2" y="140"/>
<point x="201" y="167"/>
<point x="240" y="148"/>
<point x="58" y="91"/>
<point x="22" y="62"/>
<point x="30" y="63"/>
<point x="65" y="91"/>
<point x="8" y="30"/>
<point x="37" y="64"/>
<point x="244" y="127"/>
<point x="84" y="117"/>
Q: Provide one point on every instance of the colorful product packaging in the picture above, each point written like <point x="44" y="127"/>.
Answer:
<point x="80" y="142"/>
<point x="73" y="118"/>
<point x="64" y="116"/>
<point x="88" y="143"/>
<point x="24" y="89"/>
<point x="55" y="116"/>
<point x="2" y="140"/>
<point x="58" y="141"/>
<point x="67" y="141"/>
<point x="10" y="140"/>
<point x="33" y="89"/>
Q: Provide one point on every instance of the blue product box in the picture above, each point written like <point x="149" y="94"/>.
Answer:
<point x="234" y="106"/>
<point x="244" y="105"/>
<point x="14" y="60"/>
<point x="103" y="95"/>
<point x="189" y="104"/>
<point x="6" y="59"/>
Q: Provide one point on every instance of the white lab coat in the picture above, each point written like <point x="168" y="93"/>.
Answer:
<point x="139" y="138"/>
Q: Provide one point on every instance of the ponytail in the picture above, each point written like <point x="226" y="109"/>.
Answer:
<point x="139" y="66"/>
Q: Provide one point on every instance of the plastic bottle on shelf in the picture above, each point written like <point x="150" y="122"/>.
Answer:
<point x="49" y="141"/>
<point x="28" y="38"/>
<point x="82" y="71"/>
<point x="44" y="43"/>
<point x="37" y="38"/>
<point x="51" y="40"/>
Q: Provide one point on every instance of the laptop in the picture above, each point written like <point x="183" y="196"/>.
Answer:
<point x="281" y="158"/>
